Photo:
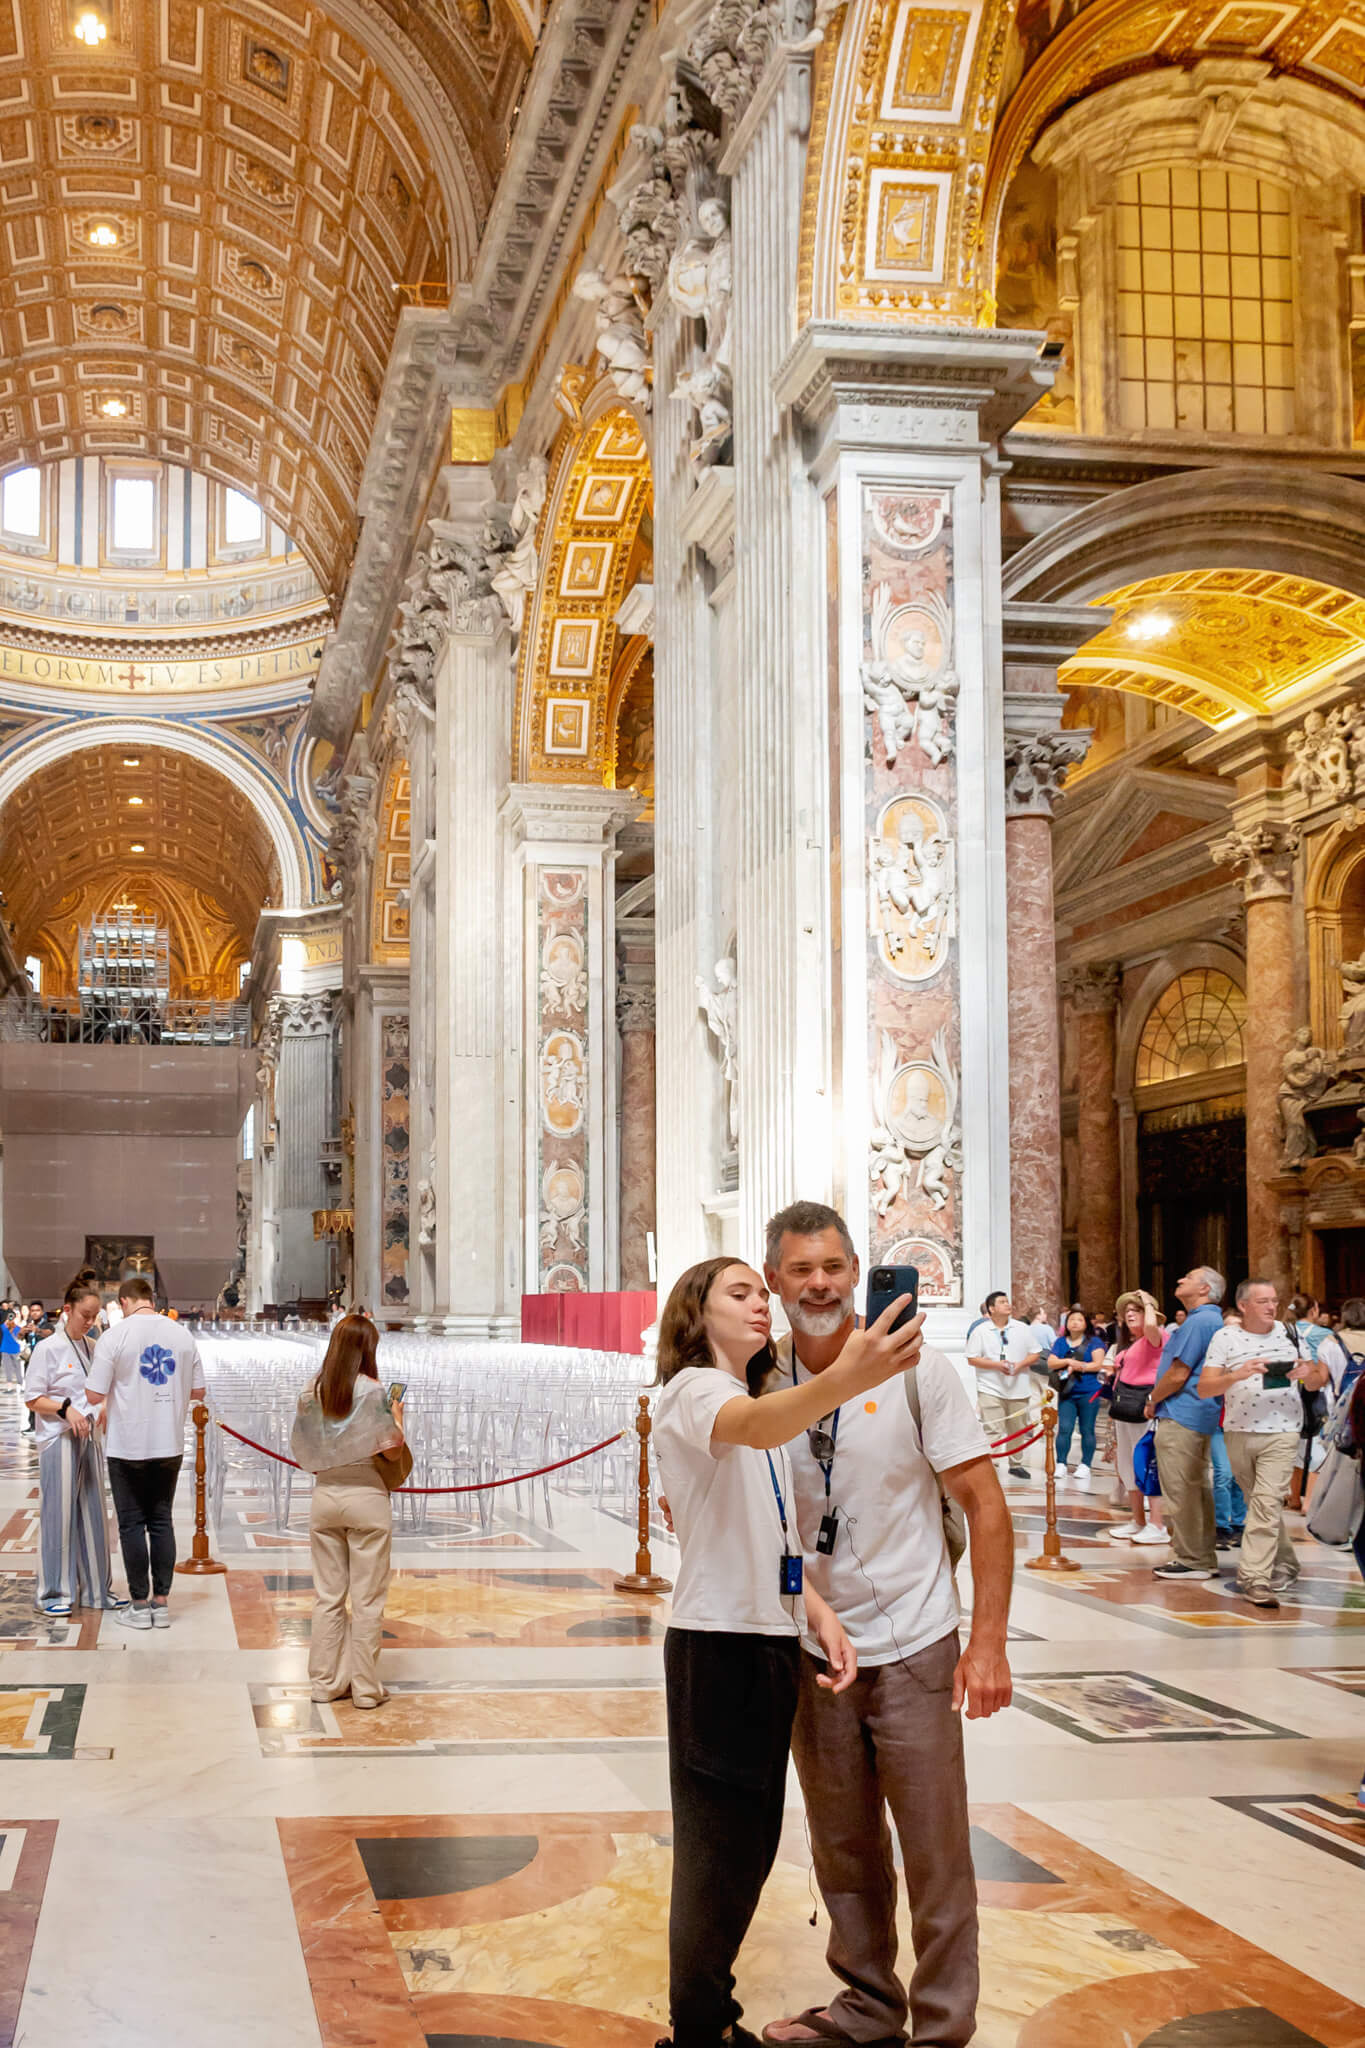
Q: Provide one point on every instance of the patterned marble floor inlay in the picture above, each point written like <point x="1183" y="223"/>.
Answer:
<point x="1124" y="1706"/>
<point x="1344" y="1677"/>
<point x="22" y="1627"/>
<point x="550" y="1930"/>
<point x="1323" y="1598"/>
<point x="1336" y="1826"/>
<point x="39" y="1721"/>
<point x="456" y="1720"/>
<point x="25" y="1853"/>
<point x="448" y="1609"/>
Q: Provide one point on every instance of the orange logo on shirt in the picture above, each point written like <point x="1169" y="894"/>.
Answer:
<point x="869" y="1407"/>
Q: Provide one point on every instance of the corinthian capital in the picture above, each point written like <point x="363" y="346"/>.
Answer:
<point x="1035" y="769"/>
<point x="1264" y="854"/>
<point x="1093" y="988"/>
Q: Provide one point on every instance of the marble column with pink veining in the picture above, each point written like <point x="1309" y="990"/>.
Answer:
<point x="635" y="1016"/>
<point x="1094" y="997"/>
<point x="1035" y="1083"/>
<point x="1263" y="853"/>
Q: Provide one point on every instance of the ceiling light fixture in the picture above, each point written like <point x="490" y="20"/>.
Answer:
<point x="102" y="234"/>
<point x="135" y="799"/>
<point x="137" y="847"/>
<point x="89" y="27"/>
<point x="1149" y="626"/>
<point x="132" y="760"/>
<point x="114" y="408"/>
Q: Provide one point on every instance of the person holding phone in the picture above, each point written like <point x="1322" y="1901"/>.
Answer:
<point x="869" y="1484"/>
<point x="344" y="1425"/>
<point x="1257" y="1369"/>
<point x="741" y="1606"/>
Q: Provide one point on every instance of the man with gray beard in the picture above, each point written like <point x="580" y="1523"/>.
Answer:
<point x="868" y="1498"/>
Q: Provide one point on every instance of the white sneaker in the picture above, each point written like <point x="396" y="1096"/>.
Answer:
<point x="1151" y="1535"/>
<point x="1124" y="1532"/>
<point x="135" y="1617"/>
<point x="161" y="1616"/>
<point x="1081" y="1476"/>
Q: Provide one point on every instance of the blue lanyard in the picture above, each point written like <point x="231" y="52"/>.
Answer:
<point x="826" y="1466"/>
<point x="777" y="1495"/>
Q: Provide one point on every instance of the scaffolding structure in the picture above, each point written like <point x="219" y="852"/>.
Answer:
<point x="123" y="974"/>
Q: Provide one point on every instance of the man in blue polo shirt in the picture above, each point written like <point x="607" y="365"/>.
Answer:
<point x="1185" y="1427"/>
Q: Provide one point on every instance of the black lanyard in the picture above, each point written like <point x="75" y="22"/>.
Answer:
<point x="826" y="1464"/>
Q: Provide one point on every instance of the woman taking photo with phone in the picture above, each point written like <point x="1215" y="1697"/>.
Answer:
<point x="733" y="1649"/>
<point x="343" y="1428"/>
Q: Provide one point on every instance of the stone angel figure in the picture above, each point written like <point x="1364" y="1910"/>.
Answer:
<point x="622" y="341"/>
<point x="515" y="577"/>
<point x="1352" y="974"/>
<point x="720" y="1005"/>
<point x="1305" y="1079"/>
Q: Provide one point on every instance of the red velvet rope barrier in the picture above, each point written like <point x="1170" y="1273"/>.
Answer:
<point x="480" y="1486"/>
<point x="1017" y="1449"/>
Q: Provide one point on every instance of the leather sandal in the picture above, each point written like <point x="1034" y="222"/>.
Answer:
<point x="816" y="2019"/>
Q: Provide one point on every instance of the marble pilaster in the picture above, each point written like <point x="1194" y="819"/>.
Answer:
<point x="563" y="836"/>
<point x="1093" y="992"/>
<point x="381" y="1008"/>
<point x="635" y="1009"/>
<point x="1263" y="854"/>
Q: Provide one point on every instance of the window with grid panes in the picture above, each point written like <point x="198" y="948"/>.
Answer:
<point x="1205" y="302"/>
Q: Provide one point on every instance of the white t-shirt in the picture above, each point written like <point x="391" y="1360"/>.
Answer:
<point x="725" y="1512"/>
<point x="149" y="1367"/>
<point x="1015" y="1342"/>
<point x="889" y="1579"/>
<point x="58" y="1367"/>
<point x="1251" y="1405"/>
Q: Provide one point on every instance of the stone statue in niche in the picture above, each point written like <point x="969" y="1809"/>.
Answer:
<point x="622" y="342"/>
<point x="1305" y="1080"/>
<point x="1358" y="1149"/>
<point x="907" y="684"/>
<point x="719" y="1003"/>
<point x="700" y="284"/>
<point x="515" y="576"/>
<point x="426" y="1214"/>
<point x="1352" y="974"/>
<point x="1327" y="762"/>
<point x="916" y="1142"/>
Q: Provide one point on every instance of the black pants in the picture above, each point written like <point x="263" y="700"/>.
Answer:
<point x="143" y="1490"/>
<point x="731" y="1702"/>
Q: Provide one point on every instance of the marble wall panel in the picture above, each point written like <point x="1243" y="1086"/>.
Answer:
<point x="562" y="1078"/>
<point x="395" y="1147"/>
<point x="914" y="1046"/>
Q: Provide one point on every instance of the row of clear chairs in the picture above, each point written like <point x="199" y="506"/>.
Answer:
<point x="472" y="1412"/>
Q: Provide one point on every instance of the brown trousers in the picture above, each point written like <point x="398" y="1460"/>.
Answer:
<point x="350" y="1531"/>
<point x="1184" y="1461"/>
<point x="893" y="1740"/>
<point x="1263" y="1466"/>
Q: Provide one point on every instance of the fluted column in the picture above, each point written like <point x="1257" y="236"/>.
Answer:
<point x="1035" y="764"/>
<point x="635" y="1020"/>
<point x="1093" y="993"/>
<point x="1263" y="854"/>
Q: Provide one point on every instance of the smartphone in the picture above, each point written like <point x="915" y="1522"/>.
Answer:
<point x="397" y="1391"/>
<point x="884" y="1284"/>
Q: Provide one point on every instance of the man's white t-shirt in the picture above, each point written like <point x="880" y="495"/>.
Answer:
<point x="888" y="1579"/>
<point x="1015" y="1342"/>
<point x="149" y="1368"/>
<point x="725" y="1513"/>
<point x="1251" y="1405"/>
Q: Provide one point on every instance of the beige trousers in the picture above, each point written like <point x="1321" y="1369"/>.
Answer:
<point x="1185" y="1464"/>
<point x="1262" y="1466"/>
<point x="1001" y="1417"/>
<point x="350" y="1532"/>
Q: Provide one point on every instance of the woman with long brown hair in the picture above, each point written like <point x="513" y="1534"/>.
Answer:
<point x="732" y="1654"/>
<point x="343" y="1427"/>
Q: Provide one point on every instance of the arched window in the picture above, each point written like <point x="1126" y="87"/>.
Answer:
<point x="1195" y="1027"/>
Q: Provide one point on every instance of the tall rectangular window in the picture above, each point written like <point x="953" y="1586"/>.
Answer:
<point x="243" y="519"/>
<point x="249" y="1134"/>
<point x="134" y="514"/>
<point x="1205" y="303"/>
<point x="21" y="503"/>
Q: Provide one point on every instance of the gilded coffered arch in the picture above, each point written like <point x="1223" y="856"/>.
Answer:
<point x="594" y="542"/>
<point x="211" y="222"/>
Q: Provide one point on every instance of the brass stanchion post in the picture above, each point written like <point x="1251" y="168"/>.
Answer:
<point x="644" y="1578"/>
<point x="199" y="1562"/>
<point x="1051" y="1559"/>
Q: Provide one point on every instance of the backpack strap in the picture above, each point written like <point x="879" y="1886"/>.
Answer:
<point x="954" y="1521"/>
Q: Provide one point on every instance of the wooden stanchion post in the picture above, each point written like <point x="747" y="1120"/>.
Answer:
<point x="1051" y="1559"/>
<point x="644" y="1578"/>
<point x="199" y="1562"/>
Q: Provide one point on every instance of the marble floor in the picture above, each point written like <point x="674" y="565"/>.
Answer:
<point x="1167" y="1843"/>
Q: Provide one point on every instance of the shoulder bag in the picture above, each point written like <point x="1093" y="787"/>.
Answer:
<point x="1127" y="1403"/>
<point x="395" y="1472"/>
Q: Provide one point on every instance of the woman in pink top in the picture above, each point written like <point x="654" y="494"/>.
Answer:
<point x="1136" y="1362"/>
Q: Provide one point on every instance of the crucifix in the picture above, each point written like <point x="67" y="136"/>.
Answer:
<point x="131" y="676"/>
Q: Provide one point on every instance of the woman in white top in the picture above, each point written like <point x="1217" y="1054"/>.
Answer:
<point x="732" y="1654"/>
<point x="73" y="1530"/>
<point x="344" y="1426"/>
